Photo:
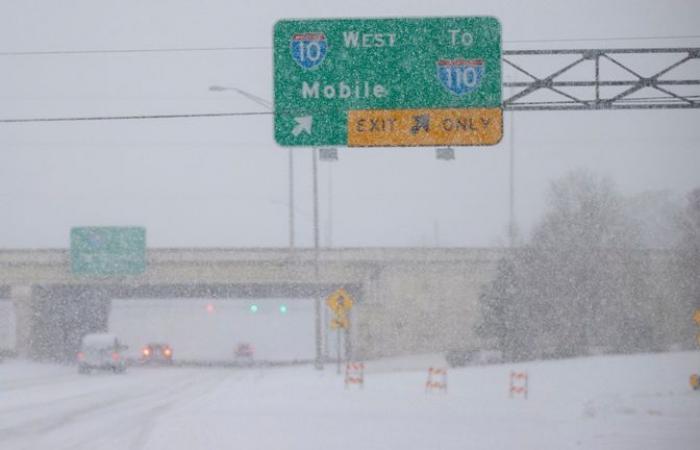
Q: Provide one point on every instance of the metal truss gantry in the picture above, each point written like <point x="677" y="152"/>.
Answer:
<point x="599" y="79"/>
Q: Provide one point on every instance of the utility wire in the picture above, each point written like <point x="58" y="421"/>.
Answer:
<point x="134" y="117"/>
<point x="267" y="113"/>
<point x="131" y="50"/>
<point x="265" y="47"/>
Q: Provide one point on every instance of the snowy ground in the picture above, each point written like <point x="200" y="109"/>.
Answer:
<point x="632" y="402"/>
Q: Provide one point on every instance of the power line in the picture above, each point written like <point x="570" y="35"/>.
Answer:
<point x="132" y="50"/>
<point x="134" y="117"/>
<point x="267" y="113"/>
<point x="266" y="47"/>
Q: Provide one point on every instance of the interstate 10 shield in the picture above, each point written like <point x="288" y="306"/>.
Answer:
<point x="308" y="49"/>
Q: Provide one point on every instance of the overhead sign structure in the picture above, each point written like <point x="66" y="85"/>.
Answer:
<point x="388" y="82"/>
<point x="108" y="251"/>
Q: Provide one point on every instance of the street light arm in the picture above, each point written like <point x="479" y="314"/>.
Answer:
<point x="259" y="100"/>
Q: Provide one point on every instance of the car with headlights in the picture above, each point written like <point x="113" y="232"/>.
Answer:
<point x="157" y="353"/>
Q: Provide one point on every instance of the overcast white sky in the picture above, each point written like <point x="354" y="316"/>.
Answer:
<point x="223" y="181"/>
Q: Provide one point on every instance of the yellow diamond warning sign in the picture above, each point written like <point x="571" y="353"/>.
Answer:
<point x="696" y="316"/>
<point x="423" y="127"/>
<point x="340" y="301"/>
<point x="340" y="323"/>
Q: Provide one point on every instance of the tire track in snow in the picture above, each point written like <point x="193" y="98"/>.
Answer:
<point x="135" y="414"/>
<point x="92" y="386"/>
<point x="118" y="408"/>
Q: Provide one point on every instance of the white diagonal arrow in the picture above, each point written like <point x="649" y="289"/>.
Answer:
<point x="303" y="124"/>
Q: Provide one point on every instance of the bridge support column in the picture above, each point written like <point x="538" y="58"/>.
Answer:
<point x="24" y="319"/>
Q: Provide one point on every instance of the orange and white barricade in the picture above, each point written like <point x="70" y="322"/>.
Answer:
<point x="518" y="384"/>
<point x="437" y="380"/>
<point x="354" y="374"/>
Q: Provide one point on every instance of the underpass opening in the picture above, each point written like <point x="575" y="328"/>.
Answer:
<point x="204" y="323"/>
<point x="239" y="331"/>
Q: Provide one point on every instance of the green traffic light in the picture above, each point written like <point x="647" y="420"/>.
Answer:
<point x="253" y="308"/>
<point x="283" y="309"/>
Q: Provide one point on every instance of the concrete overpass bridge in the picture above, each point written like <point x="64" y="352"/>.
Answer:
<point x="407" y="299"/>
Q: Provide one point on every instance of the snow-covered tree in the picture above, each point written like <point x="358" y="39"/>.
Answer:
<point x="688" y="261"/>
<point x="499" y="311"/>
<point x="578" y="285"/>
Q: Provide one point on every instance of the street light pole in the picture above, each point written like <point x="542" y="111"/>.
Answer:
<point x="314" y="158"/>
<point x="268" y="105"/>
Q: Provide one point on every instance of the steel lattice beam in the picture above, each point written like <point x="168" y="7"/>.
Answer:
<point x="561" y="97"/>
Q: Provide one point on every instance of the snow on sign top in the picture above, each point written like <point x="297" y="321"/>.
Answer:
<point x="388" y="82"/>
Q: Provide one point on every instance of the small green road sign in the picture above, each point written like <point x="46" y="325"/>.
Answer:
<point x="108" y="251"/>
<point x="388" y="82"/>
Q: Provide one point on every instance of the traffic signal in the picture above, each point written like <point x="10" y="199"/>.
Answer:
<point x="283" y="309"/>
<point x="253" y="308"/>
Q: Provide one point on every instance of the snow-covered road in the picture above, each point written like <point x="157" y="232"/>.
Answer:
<point x="58" y="409"/>
<point x="632" y="402"/>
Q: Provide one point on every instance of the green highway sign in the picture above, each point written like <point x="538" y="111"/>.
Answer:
<point x="105" y="251"/>
<point x="388" y="82"/>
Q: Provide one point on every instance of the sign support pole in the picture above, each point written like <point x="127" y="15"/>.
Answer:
<point x="291" y="199"/>
<point x="338" y="350"/>
<point x="341" y="303"/>
<point x="348" y="340"/>
<point x="317" y="300"/>
<point x="511" y="182"/>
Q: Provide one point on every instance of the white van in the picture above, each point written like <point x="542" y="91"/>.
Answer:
<point x="101" y="351"/>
